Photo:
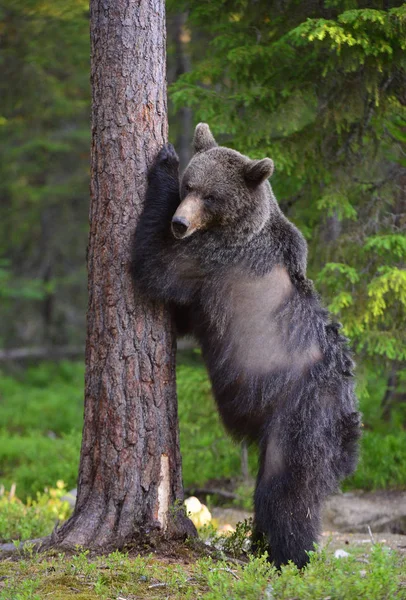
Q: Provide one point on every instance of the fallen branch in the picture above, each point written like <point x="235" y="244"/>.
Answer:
<point x="48" y="352"/>
<point x="211" y="491"/>
<point x="227" y="571"/>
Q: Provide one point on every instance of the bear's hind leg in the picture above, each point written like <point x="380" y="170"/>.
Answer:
<point x="287" y="509"/>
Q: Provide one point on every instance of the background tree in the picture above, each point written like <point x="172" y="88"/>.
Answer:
<point x="130" y="471"/>
<point x="321" y="87"/>
<point x="44" y="171"/>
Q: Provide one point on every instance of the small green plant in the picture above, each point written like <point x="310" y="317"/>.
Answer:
<point x="27" y="549"/>
<point x="239" y="542"/>
<point x="81" y="565"/>
<point x="178" y="509"/>
<point x="209" y="533"/>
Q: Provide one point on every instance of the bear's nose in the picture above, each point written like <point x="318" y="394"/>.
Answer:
<point x="180" y="225"/>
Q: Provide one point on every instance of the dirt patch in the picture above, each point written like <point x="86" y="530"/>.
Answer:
<point x="382" y="511"/>
<point x="335" y="540"/>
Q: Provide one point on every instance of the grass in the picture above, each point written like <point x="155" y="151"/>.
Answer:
<point x="377" y="575"/>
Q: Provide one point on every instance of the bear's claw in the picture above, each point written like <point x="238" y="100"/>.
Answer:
<point x="167" y="154"/>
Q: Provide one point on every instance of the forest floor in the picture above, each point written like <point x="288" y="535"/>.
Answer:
<point x="367" y="571"/>
<point x="359" y="565"/>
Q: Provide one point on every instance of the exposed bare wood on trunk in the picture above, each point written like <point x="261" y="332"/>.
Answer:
<point x="130" y="466"/>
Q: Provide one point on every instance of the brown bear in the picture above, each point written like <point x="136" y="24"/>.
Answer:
<point x="218" y="249"/>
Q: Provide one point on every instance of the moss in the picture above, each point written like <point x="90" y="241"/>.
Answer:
<point x="61" y="587"/>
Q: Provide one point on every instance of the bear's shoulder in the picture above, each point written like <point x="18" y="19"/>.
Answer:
<point x="290" y="244"/>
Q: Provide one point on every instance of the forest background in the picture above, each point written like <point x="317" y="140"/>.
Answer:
<point x="320" y="87"/>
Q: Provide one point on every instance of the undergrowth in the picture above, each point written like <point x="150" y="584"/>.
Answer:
<point x="41" y="412"/>
<point x="378" y="575"/>
<point x="36" y="517"/>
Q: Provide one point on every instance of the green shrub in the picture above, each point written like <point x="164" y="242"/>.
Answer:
<point x="371" y="387"/>
<point x="34" y="461"/>
<point x="207" y="451"/>
<point x="37" y="518"/>
<point x="47" y="399"/>
<point x="382" y="462"/>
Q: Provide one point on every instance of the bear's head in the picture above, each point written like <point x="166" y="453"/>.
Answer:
<point x="222" y="189"/>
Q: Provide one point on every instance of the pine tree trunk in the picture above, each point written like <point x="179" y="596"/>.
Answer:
<point x="130" y="465"/>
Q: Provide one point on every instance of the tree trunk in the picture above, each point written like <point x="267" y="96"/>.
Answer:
<point x="185" y="116"/>
<point x="130" y="466"/>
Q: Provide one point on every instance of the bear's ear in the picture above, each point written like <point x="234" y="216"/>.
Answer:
<point x="256" y="171"/>
<point x="203" y="139"/>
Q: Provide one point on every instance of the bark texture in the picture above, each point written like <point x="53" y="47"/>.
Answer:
<point x="130" y="465"/>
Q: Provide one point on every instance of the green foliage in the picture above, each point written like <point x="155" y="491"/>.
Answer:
<point x="33" y="461"/>
<point x="382" y="462"/>
<point x="44" y="142"/>
<point x="12" y="287"/>
<point x="379" y="574"/>
<point x="238" y="542"/>
<point x="44" y="410"/>
<point x="322" y="87"/>
<point x="207" y="451"/>
<point x="34" y="519"/>
<point x="371" y="389"/>
<point x="48" y="398"/>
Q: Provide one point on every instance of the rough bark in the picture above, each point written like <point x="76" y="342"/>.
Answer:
<point x="130" y="466"/>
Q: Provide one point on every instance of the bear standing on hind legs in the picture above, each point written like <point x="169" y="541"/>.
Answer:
<point x="218" y="249"/>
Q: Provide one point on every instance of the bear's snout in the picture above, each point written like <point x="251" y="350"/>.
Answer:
<point x="179" y="226"/>
<point x="189" y="217"/>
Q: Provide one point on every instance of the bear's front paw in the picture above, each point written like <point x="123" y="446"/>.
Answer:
<point x="167" y="157"/>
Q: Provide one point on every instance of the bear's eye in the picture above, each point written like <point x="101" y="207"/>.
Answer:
<point x="209" y="199"/>
<point x="188" y="187"/>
